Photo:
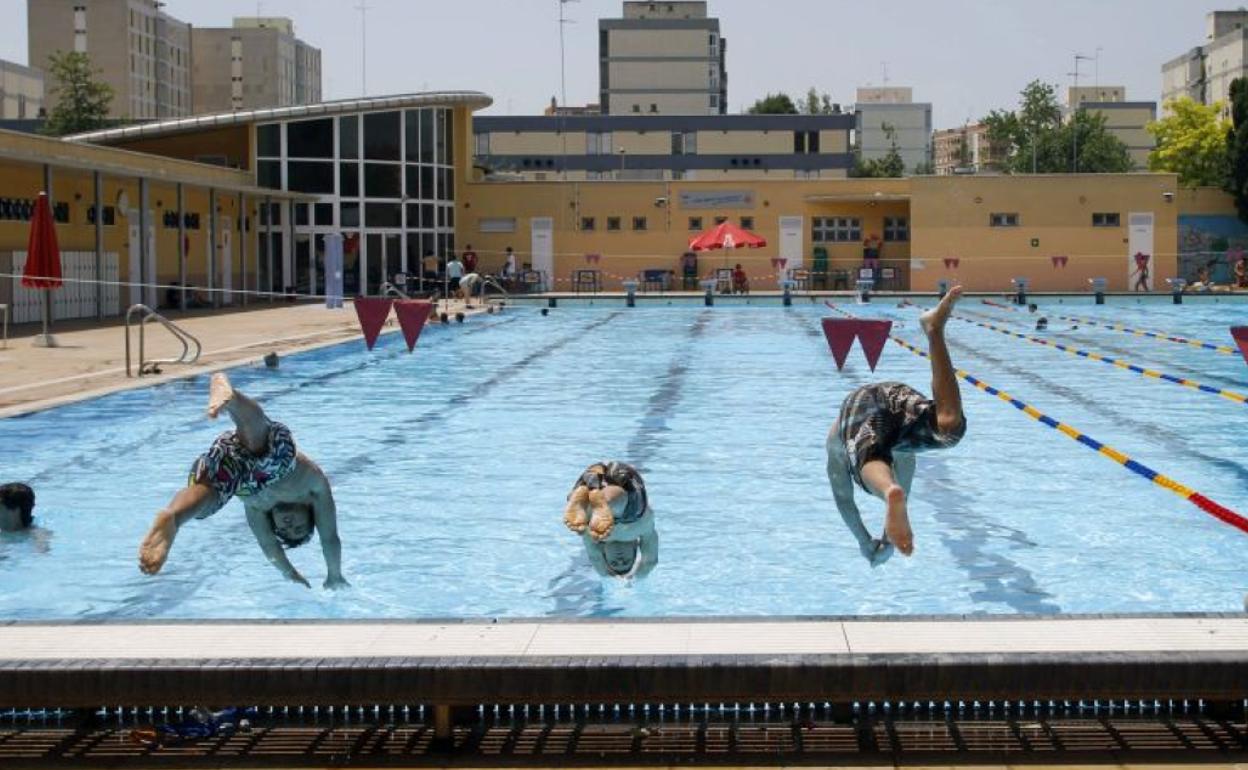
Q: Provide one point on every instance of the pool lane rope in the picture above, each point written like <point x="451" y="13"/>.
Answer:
<point x="1159" y="336"/>
<point x="1209" y="506"/>
<point x="1119" y="363"/>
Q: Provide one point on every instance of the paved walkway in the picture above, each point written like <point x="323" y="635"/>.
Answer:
<point x="91" y="357"/>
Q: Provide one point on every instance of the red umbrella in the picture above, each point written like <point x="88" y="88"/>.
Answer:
<point x="726" y="235"/>
<point x="43" y="261"/>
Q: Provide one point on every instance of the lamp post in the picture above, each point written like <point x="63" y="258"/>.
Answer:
<point x="1074" y="116"/>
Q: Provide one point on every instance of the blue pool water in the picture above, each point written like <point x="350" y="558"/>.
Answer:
<point x="451" y="467"/>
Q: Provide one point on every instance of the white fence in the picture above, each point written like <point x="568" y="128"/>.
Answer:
<point x="76" y="297"/>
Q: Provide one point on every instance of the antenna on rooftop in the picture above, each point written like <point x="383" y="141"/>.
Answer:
<point x="363" y="8"/>
<point x="563" y="88"/>
<point x="884" y="72"/>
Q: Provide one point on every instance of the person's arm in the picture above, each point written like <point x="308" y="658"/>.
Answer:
<point x="649" y="552"/>
<point x="258" y="520"/>
<point x="325" y="514"/>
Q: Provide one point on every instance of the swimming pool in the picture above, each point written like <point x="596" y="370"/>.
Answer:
<point x="450" y="469"/>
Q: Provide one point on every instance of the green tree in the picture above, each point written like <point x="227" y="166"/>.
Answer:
<point x="1191" y="142"/>
<point x="1035" y="138"/>
<point x="1237" y="147"/>
<point x="817" y="103"/>
<point x="774" y="104"/>
<point x="81" y="102"/>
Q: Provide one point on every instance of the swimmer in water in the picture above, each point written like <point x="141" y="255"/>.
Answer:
<point x="609" y="509"/>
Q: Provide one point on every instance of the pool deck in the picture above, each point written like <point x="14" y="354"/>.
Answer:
<point x="74" y="664"/>
<point x="90" y="360"/>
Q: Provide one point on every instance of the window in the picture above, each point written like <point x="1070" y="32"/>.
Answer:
<point x="482" y="143"/>
<point x="269" y="141"/>
<point x="496" y="224"/>
<point x="426" y="136"/>
<point x="836" y="229"/>
<point x="587" y="223"/>
<point x="382" y="180"/>
<point x="324" y="214"/>
<point x="598" y="143"/>
<point x="654" y="107"/>
<point x="639" y="223"/>
<point x="747" y="223"/>
<point x="350" y="214"/>
<point x="310" y="177"/>
<point x="349" y="180"/>
<point x="383" y="215"/>
<point x="636" y="108"/>
<point x="1111" y="219"/>
<point x="349" y="137"/>
<point x="269" y="174"/>
<point x="301" y="215"/>
<point x="896" y="229"/>
<point x="381" y="136"/>
<point x="1003" y="220"/>
<point x="613" y="224"/>
<point x="310" y="139"/>
<point x="695" y="223"/>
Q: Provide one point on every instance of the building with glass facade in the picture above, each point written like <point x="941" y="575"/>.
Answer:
<point x="384" y="172"/>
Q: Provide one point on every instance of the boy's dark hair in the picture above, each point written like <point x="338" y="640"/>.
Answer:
<point x="287" y="542"/>
<point x="22" y="498"/>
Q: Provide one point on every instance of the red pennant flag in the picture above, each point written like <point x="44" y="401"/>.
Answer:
<point x="840" y="333"/>
<point x="372" y="312"/>
<point x="412" y="315"/>
<point x="873" y="335"/>
<point x="1240" y="333"/>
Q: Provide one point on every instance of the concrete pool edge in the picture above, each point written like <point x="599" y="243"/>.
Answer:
<point x="459" y="663"/>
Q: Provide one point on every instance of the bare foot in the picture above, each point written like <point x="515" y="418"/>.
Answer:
<point x="576" y="516"/>
<point x="897" y="521"/>
<point x="154" y="550"/>
<point x="603" y="520"/>
<point x="220" y="391"/>
<point x="934" y="319"/>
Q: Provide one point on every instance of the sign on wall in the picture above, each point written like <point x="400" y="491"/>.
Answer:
<point x="717" y="199"/>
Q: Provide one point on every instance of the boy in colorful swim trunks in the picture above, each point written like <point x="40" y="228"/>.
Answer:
<point x="880" y="428"/>
<point x="285" y="495"/>
<point x="609" y="509"/>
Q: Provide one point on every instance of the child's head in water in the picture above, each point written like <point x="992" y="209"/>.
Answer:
<point x="1031" y="308"/>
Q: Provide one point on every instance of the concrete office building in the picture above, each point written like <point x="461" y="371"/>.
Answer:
<point x="258" y="63"/>
<point x="664" y="58"/>
<point x="1205" y="72"/>
<point x="965" y="150"/>
<point x="1077" y="95"/>
<point x="1126" y="120"/>
<point x="141" y="51"/>
<point x="888" y="115"/>
<point x="663" y="147"/>
<point x="21" y="92"/>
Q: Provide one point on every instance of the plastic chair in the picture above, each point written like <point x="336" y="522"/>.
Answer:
<point x="653" y="278"/>
<point x="723" y="280"/>
<point x="819" y="268"/>
<point x="586" y="280"/>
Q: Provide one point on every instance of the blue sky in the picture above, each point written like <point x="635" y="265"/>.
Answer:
<point x="964" y="56"/>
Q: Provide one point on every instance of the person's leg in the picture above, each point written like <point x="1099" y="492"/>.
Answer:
<point x="249" y="419"/>
<point x="195" y="500"/>
<point x="576" y="514"/>
<point x="879" y="479"/>
<point x="944" y="380"/>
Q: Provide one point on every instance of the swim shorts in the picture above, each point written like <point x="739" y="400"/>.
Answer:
<point x="884" y="417"/>
<point x="231" y="469"/>
<point x="621" y="475"/>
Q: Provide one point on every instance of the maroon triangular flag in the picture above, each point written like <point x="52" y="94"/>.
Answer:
<point x="1240" y="333"/>
<point x="372" y="312"/>
<point x="873" y="335"/>
<point x="840" y="333"/>
<point x="412" y="315"/>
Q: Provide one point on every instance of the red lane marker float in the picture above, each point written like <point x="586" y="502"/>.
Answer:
<point x="840" y="334"/>
<point x="372" y="312"/>
<point x="1211" y="507"/>
<point x="873" y="335"/>
<point x="412" y="314"/>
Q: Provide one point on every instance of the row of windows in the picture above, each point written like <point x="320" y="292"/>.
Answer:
<point x="381" y="180"/>
<point x="170" y="220"/>
<point x="614" y="224"/>
<point x="417" y="136"/>
<point x="1099" y="219"/>
<point x="835" y="229"/>
<point x="22" y="209"/>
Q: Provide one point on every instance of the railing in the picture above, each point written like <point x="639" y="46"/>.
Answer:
<point x="152" y="367"/>
<point x="390" y="290"/>
<point x="5" y="309"/>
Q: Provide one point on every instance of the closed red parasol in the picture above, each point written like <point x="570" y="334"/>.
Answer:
<point x="43" y="264"/>
<point x="726" y="235"/>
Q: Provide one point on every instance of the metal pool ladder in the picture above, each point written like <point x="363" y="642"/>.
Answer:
<point x="148" y="315"/>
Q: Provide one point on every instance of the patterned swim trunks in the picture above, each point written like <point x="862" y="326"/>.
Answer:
<point x="880" y="418"/>
<point x="231" y="469"/>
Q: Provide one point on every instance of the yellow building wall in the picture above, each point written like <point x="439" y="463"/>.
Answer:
<point x="536" y="143"/>
<point x="1204" y="200"/>
<point x="833" y="141"/>
<point x="950" y="218"/>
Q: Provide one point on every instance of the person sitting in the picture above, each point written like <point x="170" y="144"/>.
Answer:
<point x="1202" y="284"/>
<point x="17" y="506"/>
<point x="609" y="509"/>
<point x="740" y="281"/>
<point x="285" y="495"/>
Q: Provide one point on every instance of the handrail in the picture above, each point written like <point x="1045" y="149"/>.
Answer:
<point x="491" y="281"/>
<point x="181" y="335"/>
